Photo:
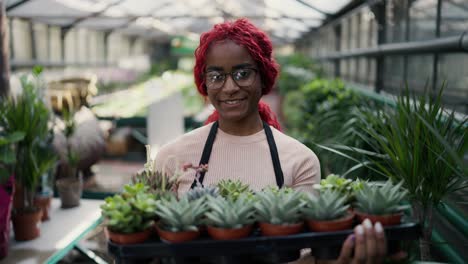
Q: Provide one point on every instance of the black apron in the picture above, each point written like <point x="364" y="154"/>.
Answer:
<point x="271" y="143"/>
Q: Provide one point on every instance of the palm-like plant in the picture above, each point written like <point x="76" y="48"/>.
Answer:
<point x="27" y="114"/>
<point x="417" y="142"/>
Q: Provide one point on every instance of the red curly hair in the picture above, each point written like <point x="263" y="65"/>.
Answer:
<point x="243" y="33"/>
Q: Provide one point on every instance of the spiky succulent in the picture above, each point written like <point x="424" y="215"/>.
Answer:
<point x="232" y="188"/>
<point x="158" y="182"/>
<point x="330" y="205"/>
<point x="230" y="213"/>
<point x="199" y="192"/>
<point x="180" y="215"/>
<point x="279" y="207"/>
<point x="380" y="200"/>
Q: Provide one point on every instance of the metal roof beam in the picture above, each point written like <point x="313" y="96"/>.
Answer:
<point x="92" y="15"/>
<point x="314" y="8"/>
<point x="17" y="4"/>
<point x="133" y="19"/>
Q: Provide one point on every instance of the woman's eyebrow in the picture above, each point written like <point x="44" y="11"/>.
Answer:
<point x="214" y="68"/>
<point x="243" y="65"/>
<point x="235" y="67"/>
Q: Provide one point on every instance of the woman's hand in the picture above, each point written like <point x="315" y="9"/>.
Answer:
<point x="368" y="244"/>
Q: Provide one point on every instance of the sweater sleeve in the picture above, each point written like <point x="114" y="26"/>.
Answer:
<point x="307" y="171"/>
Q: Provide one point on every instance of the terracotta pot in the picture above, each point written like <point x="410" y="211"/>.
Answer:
<point x="26" y="224"/>
<point x="176" y="237"/>
<point x="44" y="203"/>
<point x="343" y="223"/>
<point x="385" y="220"/>
<point x="228" y="234"/>
<point x="280" y="230"/>
<point x="18" y="196"/>
<point x="126" y="239"/>
<point x="70" y="190"/>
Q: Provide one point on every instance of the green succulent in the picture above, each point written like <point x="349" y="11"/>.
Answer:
<point x="159" y="183"/>
<point x="199" y="192"/>
<point x="279" y="206"/>
<point x="329" y="205"/>
<point x="180" y="215"/>
<point x="380" y="200"/>
<point x="233" y="188"/>
<point x="346" y="187"/>
<point x="230" y="213"/>
<point x="129" y="215"/>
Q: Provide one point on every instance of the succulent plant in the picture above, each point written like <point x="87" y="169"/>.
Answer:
<point x="199" y="192"/>
<point x="279" y="207"/>
<point x="132" y="211"/>
<point x="230" y="213"/>
<point x="180" y="215"/>
<point x="159" y="183"/>
<point x="380" y="200"/>
<point x="232" y="188"/>
<point x="329" y="205"/>
<point x="346" y="187"/>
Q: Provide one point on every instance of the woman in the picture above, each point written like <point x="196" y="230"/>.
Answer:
<point x="234" y="67"/>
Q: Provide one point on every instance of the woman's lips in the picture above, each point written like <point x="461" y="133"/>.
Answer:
<point x="233" y="102"/>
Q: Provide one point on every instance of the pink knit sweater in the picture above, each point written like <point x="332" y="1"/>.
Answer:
<point x="246" y="158"/>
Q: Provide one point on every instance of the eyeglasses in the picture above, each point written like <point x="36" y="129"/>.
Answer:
<point x="242" y="77"/>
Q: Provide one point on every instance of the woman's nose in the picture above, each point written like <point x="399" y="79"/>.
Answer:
<point x="229" y="85"/>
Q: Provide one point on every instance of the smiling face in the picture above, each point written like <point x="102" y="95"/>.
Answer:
<point x="234" y="103"/>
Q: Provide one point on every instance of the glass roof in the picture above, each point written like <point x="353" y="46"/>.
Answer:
<point x="284" y="20"/>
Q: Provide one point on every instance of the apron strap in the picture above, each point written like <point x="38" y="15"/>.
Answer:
<point x="274" y="155"/>
<point x="271" y="143"/>
<point x="206" y="152"/>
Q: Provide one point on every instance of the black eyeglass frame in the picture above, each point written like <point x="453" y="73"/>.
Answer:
<point x="225" y="74"/>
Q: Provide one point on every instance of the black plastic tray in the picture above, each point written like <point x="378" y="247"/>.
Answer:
<point x="325" y="245"/>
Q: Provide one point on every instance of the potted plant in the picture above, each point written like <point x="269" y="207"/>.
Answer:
<point x="327" y="212"/>
<point x="29" y="114"/>
<point x="228" y="218"/>
<point x="159" y="183"/>
<point x="346" y="187"/>
<point x="179" y="219"/>
<point x="70" y="185"/>
<point x="417" y="141"/>
<point x="233" y="188"/>
<point x="279" y="211"/>
<point x="7" y="161"/>
<point x="129" y="216"/>
<point x="46" y="159"/>
<point x="381" y="203"/>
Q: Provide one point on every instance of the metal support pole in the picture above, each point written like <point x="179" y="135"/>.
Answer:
<point x="63" y="34"/>
<point x="32" y="35"/>
<point x="435" y="69"/>
<point x="4" y="53"/>
<point x="106" y="46"/>
<point x="337" y="31"/>
<point x="379" y="11"/>
<point x="407" y="38"/>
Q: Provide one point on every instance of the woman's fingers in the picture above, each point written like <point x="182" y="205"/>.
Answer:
<point x="360" y="245"/>
<point x="381" y="241"/>
<point x="371" y="247"/>
<point x="347" y="250"/>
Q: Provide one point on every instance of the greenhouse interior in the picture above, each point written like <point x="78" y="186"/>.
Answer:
<point x="110" y="109"/>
